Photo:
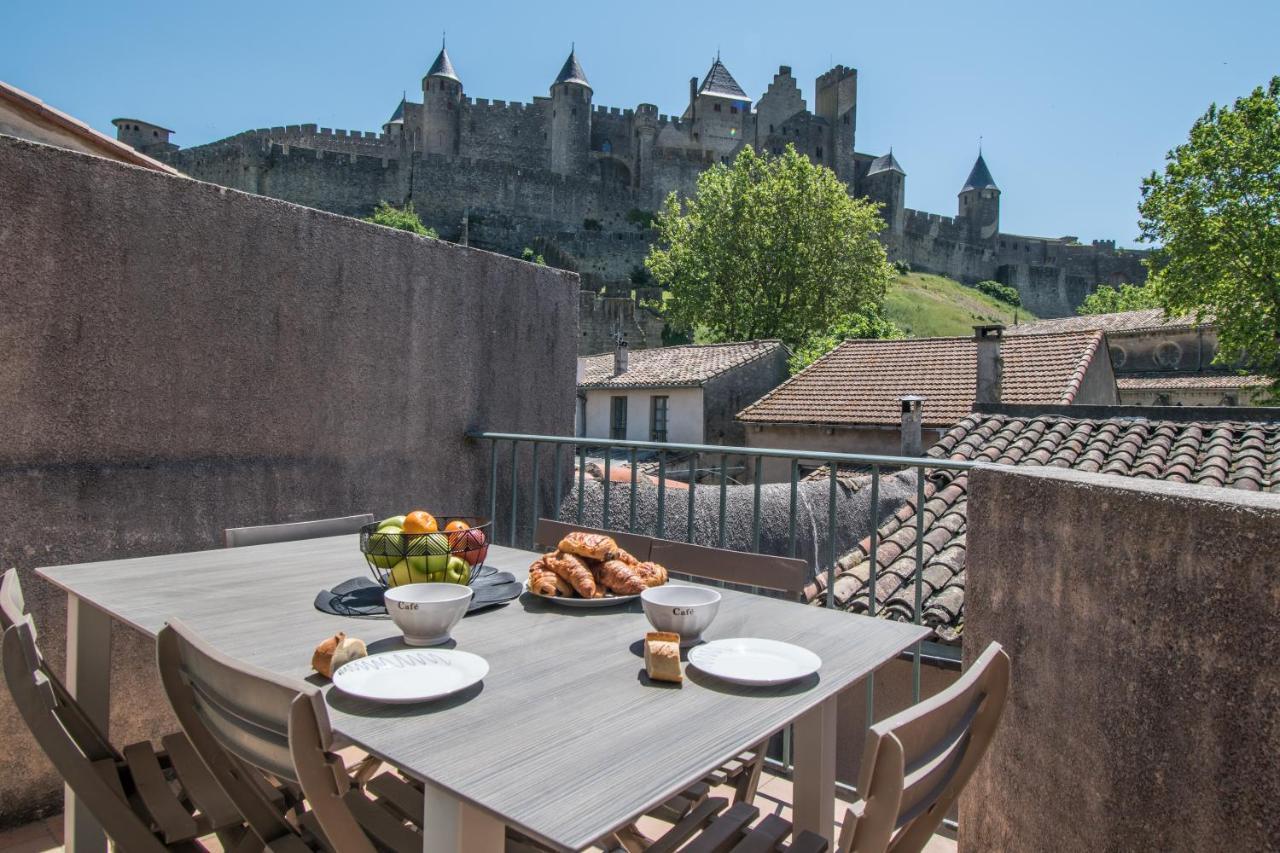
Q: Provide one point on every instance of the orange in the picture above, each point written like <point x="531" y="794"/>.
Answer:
<point x="420" y="521"/>
<point x="457" y="524"/>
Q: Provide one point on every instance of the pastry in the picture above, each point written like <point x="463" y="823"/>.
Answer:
<point x="662" y="656"/>
<point x="625" y="556"/>
<point x="543" y="581"/>
<point x="594" y="546"/>
<point x="330" y="655"/>
<point x="621" y="579"/>
<point x="573" y="571"/>
<point x="652" y="573"/>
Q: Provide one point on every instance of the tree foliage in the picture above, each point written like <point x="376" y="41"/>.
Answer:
<point x="769" y="247"/>
<point x="1127" y="297"/>
<point x="402" y="218"/>
<point x="1008" y="294"/>
<point x="533" y="257"/>
<point x="873" y="325"/>
<point x="1215" y="213"/>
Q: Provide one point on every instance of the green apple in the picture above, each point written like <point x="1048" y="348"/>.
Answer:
<point x="437" y="549"/>
<point x="409" y="570"/>
<point x="458" y="570"/>
<point x="396" y="521"/>
<point x="384" y="547"/>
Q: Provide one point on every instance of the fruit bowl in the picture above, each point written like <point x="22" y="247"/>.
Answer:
<point x="444" y="556"/>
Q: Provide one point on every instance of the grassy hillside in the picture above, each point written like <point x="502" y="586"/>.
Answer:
<point x="930" y="306"/>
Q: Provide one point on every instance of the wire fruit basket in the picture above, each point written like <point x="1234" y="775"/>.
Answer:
<point x="448" y="556"/>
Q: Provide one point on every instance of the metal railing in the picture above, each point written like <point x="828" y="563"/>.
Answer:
<point x="873" y="464"/>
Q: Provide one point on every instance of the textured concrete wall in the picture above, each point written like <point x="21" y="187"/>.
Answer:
<point x="731" y="392"/>
<point x="1141" y="621"/>
<point x="176" y="358"/>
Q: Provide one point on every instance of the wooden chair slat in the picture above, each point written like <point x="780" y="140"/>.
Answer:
<point x="108" y="771"/>
<point x="238" y="537"/>
<point x="808" y="842"/>
<point x="383" y="827"/>
<point x="703" y="813"/>
<point x="765" y="836"/>
<point x="198" y="782"/>
<point x="399" y="795"/>
<point x="725" y="831"/>
<point x="174" y="821"/>
<point x="784" y="574"/>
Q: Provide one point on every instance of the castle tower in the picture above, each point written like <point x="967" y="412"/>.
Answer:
<point x="441" y="107"/>
<point x="646" y="128"/>
<point x="570" y="119"/>
<point x="143" y="135"/>
<point x="836" y="100"/>
<point x="885" y="182"/>
<point x="979" y="203"/>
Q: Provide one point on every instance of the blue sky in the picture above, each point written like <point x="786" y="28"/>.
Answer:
<point x="1074" y="102"/>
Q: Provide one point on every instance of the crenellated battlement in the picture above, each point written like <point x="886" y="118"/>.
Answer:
<point x="487" y="106"/>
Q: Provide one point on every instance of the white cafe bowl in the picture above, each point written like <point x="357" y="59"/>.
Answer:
<point x="427" y="612"/>
<point x="683" y="610"/>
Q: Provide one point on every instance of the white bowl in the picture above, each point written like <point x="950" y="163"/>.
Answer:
<point x="427" y="612"/>
<point x="683" y="610"/>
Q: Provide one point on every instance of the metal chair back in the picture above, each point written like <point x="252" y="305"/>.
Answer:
<point x="236" y="537"/>
<point x="916" y="763"/>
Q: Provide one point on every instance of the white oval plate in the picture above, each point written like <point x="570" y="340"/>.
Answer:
<point x="607" y="601"/>
<point x="746" y="660"/>
<point x="410" y="676"/>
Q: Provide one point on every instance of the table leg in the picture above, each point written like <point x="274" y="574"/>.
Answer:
<point x="89" y="681"/>
<point x="814" y="781"/>
<point x="452" y="826"/>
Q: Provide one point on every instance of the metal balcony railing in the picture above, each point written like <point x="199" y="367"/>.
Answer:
<point x="582" y="447"/>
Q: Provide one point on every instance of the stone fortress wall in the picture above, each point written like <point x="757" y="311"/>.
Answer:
<point x="576" y="178"/>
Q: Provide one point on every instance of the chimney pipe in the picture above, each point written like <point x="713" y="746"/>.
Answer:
<point x="912" y="443"/>
<point x="620" y="356"/>
<point x="693" y="98"/>
<point x="990" y="362"/>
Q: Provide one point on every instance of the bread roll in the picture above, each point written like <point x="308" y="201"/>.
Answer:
<point x="335" y="651"/>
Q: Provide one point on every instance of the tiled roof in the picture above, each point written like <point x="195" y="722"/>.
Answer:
<point x="980" y="177"/>
<point x="666" y="367"/>
<point x="720" y="82"/>
<point x="1188" y="381"/>
<point x="885" y="163"/>
<point x="398" y="115"/>
<point x="571" y="71"/>
<point x="1237" y="455"/>
<point x="442" y="67"/>
<point x="1123" y="321"/>
<point x="861" y="382"/>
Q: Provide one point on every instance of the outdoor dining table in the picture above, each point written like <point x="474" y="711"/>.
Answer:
<point x="565" y="739"/>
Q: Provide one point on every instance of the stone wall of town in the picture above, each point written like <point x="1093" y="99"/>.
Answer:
<point x="1139" y="617"/>
<point x="181" y="358"/>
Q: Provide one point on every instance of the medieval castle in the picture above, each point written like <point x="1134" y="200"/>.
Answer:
<point x="577" y="181"/>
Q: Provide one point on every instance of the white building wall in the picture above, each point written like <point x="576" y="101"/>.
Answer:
<point x="684" y="413"/>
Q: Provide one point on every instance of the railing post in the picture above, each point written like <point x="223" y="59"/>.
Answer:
<point x="871" y="582"/>
<point x="631" y="520"/>
<point x="608" y="479"/>
<point x="724" y="497"/>
<point x="559" y="473"/>
<point x="582" y="479"/>
<point x="662" y="494"/>
<point x="831" y="536"/>
<point x="755" y="507"/>
<point x="791" y="516"/>
<point x="915" y="657"/>
<point x="515" y="492"/>
<point x="493" y="485"/>
<point x="693" y="484"/>
<point x="536" y="503"/>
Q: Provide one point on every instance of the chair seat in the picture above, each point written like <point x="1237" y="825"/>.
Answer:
<point x="172" y="788"/>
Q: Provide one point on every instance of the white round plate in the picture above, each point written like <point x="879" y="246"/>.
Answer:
<point x="607" y="601"/>
<point x="410" y="676"/>
<point x="745" y="660"/>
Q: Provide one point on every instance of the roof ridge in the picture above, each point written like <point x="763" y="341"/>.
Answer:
<point x="1082" y="366"/>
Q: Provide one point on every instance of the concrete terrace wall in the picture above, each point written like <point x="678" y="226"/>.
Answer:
<point x="1141" y="620"/>
<point x="176" y="358"/>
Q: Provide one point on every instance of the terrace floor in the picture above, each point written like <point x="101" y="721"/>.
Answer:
<point x="773" y="797"/>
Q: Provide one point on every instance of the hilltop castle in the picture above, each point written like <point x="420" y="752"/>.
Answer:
<point x="578" y="181"/>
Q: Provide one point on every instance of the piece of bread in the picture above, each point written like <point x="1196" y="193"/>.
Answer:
<point x="662" y="656"/>
<point x="330" y="655"/>
<point x="593" y="546"/>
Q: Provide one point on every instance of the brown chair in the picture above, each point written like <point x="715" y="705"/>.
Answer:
<point x="238" y="537"/>
<point x="915" y="764"/>
<point x="144" y="800"/>
<point x="216" y="697"/>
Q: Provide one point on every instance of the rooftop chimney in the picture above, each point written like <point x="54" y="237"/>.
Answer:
<point x="990" y="363"/>
<point x="620" y="356"/>
<point x="912" y="443"/>
<point x="693" y="97"/>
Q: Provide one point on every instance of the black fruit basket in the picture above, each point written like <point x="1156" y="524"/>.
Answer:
<point x="399" y="558"/>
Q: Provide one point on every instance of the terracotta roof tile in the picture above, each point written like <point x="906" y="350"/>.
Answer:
<point x="673" y="366"/>
<point x="1232" y="454"/>
<point x="1119" y="323"/>
<point x="861" y="382"/>
<point x="1189" y="381"/>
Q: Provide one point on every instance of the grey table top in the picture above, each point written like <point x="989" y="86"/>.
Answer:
<point x="564" y="739"/>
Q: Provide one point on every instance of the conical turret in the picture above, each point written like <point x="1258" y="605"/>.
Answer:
<point x="571" y="72"/>
<point x="570" y="118"/>
<point x="441" y="106"/>
<point x="442" y="67"/>
<point x="979" y="203"/>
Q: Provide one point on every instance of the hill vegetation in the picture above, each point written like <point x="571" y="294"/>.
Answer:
<point x="931" y="306"/>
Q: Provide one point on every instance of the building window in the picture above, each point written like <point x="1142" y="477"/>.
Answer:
<point x="716" y="107"/>
<point x="618" y="418"/>
<point x="606" y="147"/>
<point x="819" y="152"/>
<point x="657" y="418"/>
<point x="733" y="108"/>
<point x="771" y="128"/>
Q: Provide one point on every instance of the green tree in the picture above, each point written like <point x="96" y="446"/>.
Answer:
<point x="872" y="325"/>
<point x="1006" y="293"/>
<point x="769" y="247"/>
<point x="533" y="257"/>
<point x="1127" y="297"/>
<point x="402" y="218"/>
<point x="1215" y="214"/>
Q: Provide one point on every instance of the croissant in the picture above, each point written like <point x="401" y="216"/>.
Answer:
<point x="543" y="581"/>
<point x="623" y="555"/>
<point x="621" y="578"/>
<point x="652" y="573"/>
<point x="594" y="546"/>
<point x="573" y="571"/>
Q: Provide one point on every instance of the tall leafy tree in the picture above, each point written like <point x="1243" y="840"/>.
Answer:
<point x="770" y="247"/>
<point x="1216" y="214"/>
<point x="1127" y="297"/>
